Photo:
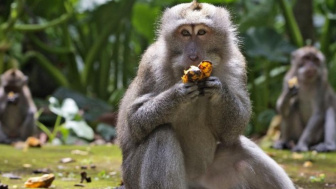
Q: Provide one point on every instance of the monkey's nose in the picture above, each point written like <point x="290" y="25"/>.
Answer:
<point x="193" y="57"/>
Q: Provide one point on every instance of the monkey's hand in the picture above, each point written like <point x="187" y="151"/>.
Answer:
<point x="211" y="86"/>
<point x="187" y="91"/>
<point x="293" y="91"/>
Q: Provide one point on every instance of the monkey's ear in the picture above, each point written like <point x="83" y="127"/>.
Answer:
<point x="293" y="57"/>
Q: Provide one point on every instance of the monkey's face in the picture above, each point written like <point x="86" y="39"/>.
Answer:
<point x="193" y="32"/>
<point x="13" y="81"/>
<point x="309" y="67"/>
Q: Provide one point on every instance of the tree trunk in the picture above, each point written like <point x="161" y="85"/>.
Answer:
<point x="303" y="12"/>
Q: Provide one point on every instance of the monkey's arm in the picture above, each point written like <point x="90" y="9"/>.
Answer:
<point x="3" y="100"/>
<point x="329" y="143"/>
<point x="284" y="101"/>
<point x="28" y="124"/>
<point x="150" y="110"/>
<point x="231" y="109"/>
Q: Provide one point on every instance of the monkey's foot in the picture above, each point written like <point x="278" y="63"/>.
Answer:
<point x="280" y="145"/>
<point x="300" y="148"/>
<point x="323" y="147"/>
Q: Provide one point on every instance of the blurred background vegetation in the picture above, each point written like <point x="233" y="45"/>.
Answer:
<point x="88" y="50"/>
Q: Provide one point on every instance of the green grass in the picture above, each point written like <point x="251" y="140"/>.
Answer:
<point x="108" y="159"/>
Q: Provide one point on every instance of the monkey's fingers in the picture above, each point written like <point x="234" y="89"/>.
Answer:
<point x="293" y="91"/>
<point x="211" y="86"/>
<point x="187" y="90"/>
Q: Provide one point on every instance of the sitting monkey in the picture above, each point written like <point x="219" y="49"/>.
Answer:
<point x="307" y="104"/>
<point x="17" y="108"/>
<point x="180" y="135"/>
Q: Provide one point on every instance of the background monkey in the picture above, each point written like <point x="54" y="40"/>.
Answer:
<point x="308" y="111"/>
<point x="17" y="108"/>
<point x="174" y="134"/>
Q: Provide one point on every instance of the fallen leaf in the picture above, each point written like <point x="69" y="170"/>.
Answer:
<point x="26" y="165"/>
<point x="40" y="182"/>
<point x="307" y="164"/>
<point x="79" y="152"/>
<point x="67" y="160"/>
<point x="43" y="170"/>
<point x="33" y="142"/>
<point x="11" y="176"/>
<point x="297" y="156"/>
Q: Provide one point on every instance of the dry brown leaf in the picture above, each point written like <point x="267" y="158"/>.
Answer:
<point x="297" y="156"/>
<point x="40" y="182"/>
<point x="307" y="164"/>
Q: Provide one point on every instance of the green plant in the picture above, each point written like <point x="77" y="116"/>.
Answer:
<point x="73" y="126"/>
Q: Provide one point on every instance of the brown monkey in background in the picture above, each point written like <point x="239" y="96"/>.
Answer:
<point x="308" y="107"/>
<point x="17" y="108"/>
<point x="176" y="135"/>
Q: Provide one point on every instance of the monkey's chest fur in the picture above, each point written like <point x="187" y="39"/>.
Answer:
<point x="12" y="118"/>
<point x="193" y="126"/>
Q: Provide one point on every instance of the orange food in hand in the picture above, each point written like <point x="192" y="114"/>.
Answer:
<point x="194" y="74"/>
<point x="293" y="82"/>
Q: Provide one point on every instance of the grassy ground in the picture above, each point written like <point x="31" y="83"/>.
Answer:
<point x="308" y="170"/>
<point x="106" y="174"/>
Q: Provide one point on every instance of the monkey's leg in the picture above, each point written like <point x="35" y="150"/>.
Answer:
<point x="162" y="163"/>
<point x="28" y="126"/>
<point x="245" y="166"/>
<point x="291" y="130"/>
<point x="329" y="143"/>
<point x="3" y="137"/>
<point x="312" y="134"/>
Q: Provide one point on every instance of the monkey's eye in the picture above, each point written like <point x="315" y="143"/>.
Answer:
<point x="185" y="33"/>
<point x="201" y="32"/>
<point x="316" y="60"/>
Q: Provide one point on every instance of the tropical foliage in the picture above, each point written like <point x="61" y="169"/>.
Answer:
<point x="93" y="46"/>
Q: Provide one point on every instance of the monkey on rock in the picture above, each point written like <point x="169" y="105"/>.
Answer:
<point x="176" y="135"/>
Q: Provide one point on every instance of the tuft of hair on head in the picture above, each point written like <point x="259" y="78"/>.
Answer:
<point x="196" y="5"/>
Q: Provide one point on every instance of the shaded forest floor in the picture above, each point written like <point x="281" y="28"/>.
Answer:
<point x="102" y="163"/>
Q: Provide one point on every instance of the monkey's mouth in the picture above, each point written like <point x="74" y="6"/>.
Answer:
<point x="310" y="74"/>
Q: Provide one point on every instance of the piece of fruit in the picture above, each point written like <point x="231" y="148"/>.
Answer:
<point x="194" y="74"/>
<point x="206" y="68"/>
<point x="293" y="82"/>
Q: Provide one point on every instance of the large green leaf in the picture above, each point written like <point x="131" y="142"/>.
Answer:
<point x="144" y="19"/>
<point x="267" y="43"/>
<point x="93" y="107"/>
<point x="255" y="14"/>
<point x="80" y="128"/>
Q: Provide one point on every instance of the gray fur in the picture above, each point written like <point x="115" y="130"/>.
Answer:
<point x="308" y="114"/>
<point x="169" y="131"/>
<point x="16" y="119"/>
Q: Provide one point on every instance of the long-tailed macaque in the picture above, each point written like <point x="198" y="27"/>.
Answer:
<point x="307" y="104"/>
<point x="17" y="108"/>
<point x="176" y="135"/>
